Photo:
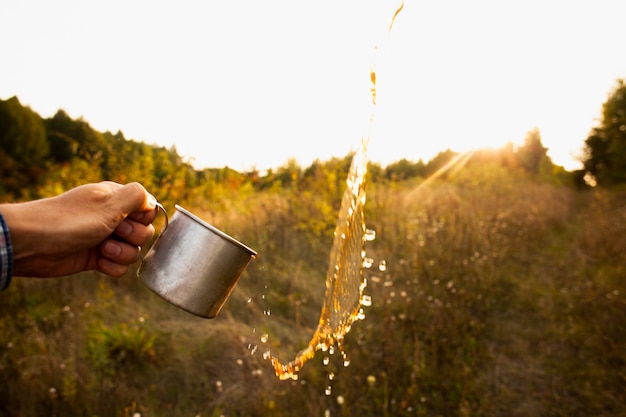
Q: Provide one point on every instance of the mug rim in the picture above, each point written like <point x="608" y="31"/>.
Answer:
<point x="215" y="230"/>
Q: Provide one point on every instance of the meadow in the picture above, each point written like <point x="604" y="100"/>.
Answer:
<point x="494" y="293"/>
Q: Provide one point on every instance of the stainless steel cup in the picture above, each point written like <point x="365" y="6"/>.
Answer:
<point x="194" y="265"/>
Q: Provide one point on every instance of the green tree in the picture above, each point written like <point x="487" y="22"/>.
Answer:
<point x="605" y="148"/>
<point x="22" y="133"/>
<point x="76" y="138"/>
<point x="23" y="146"/>
<point x="439" y="161"/>
<point x="532" y="154"/>
<point x="405" y="169"/>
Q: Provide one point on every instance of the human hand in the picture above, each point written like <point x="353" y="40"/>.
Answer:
<point x="91" y="227"/>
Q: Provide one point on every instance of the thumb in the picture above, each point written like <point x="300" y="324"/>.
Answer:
<point x="133" y="197"/>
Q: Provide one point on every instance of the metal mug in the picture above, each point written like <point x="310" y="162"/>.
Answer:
<point x="194" y="265"/>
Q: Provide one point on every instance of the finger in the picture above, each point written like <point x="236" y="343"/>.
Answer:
<point x="133" y="198"/>
<point x="144" y="217"/>
<point x="119" y="252"/>
<point x="106" y="266"/>
<point x="134" y="232"/>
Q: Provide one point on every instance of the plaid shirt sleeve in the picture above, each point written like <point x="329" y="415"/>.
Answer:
<point x="6" y="255"/>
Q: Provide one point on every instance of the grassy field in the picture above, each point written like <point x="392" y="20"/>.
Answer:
<point x="499" y="296"/>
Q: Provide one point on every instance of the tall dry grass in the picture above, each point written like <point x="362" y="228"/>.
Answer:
<point x="492" y="294"/>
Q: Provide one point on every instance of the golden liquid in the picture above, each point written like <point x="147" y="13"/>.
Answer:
<point x="344" y="279"/>
<point x="345" y="282"/>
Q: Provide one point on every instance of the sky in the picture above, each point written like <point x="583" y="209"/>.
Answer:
<point x="251" y="84"/>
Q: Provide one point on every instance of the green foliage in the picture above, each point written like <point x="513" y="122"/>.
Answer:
<point x="75" y="138"/>
<point x="67" y="176"/>
<point x="532" y="154"/>
<point x="79" y="154"/>
<point x="119" y="345"/>
<point x="23" y="146"/>
<point x="474" y="262"/>
<point x="404" y="169"/>
<point x="605" y="147"/>
<point x="22" y="136"/>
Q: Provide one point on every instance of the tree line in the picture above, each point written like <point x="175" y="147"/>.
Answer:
<point x="605" y="147"/>
<point x="43" y="156"/>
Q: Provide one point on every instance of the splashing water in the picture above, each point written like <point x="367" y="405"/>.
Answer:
<point x="345" y="282"/>
<point x="344" y="279"/>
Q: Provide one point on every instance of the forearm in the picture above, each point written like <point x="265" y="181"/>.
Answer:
<point x="46" y="234"/>
<point x="21" y="237"/>
<point x="26" y="227"/>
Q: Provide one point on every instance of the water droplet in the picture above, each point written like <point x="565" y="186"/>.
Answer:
<point x="264" y="338"/>
<point x="328" y="390"/>
<point x="368" y="262"/>
<point x="366" y="300"/>
<point x="382" y="265"/>
<point x="326" y="360"/>
<point x="331" y="376"/>
<point x="370" y="235"/>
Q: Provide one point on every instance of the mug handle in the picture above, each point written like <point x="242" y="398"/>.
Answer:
<point x="167" y="221"/>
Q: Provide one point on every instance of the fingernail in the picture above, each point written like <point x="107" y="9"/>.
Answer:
<point x="152" y="202"/>
<point x="111" y="249"/>
<point x="124" y="229"/>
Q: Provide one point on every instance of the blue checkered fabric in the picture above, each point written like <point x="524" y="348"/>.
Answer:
<point x="6" y="255"/>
